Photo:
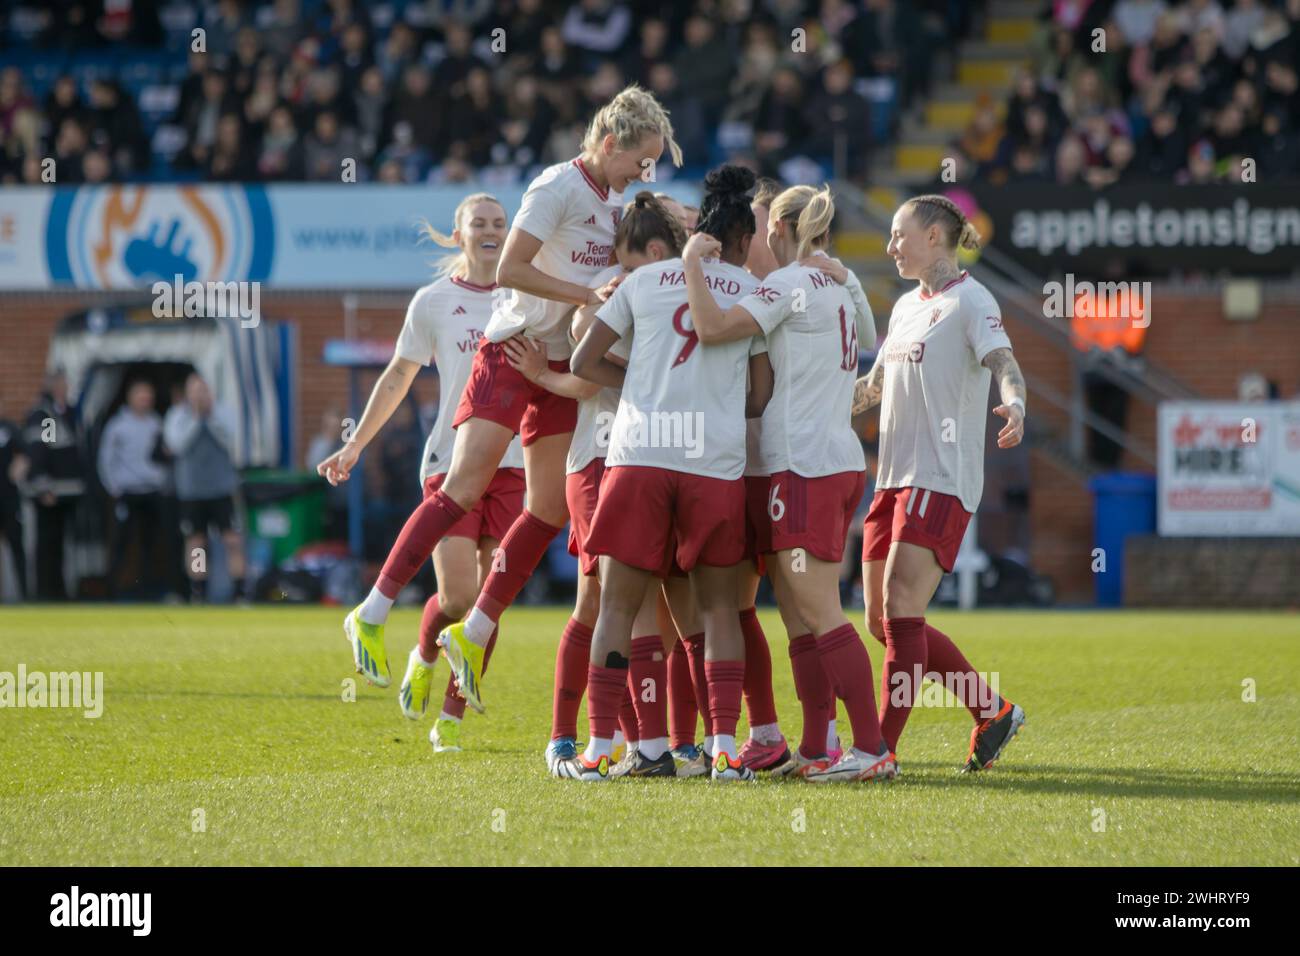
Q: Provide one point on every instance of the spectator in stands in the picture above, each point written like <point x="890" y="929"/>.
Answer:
<point x="280" y="27"/>
<point x="651" y="48"/>
<point x="758" y="60"/>
<point x="369" y="102"/>
<point x="781" y="125"/>
<point x="221" y="25"/>
<point x="1279" y="154"/>
<point x="1200" y="168"/>
<point x="690" y="128"/>
<point x="200" y="433"/>
<point x="64" y="103"/>
<point x="474" y="117"/>
<point x="69" y="149"/>
<point x="231" y="159"/>
<point x="555" y="64"/>
<point x="705" y="64"/>
<point x="1242" y="20"/>
<point x="327" y="147"/>
<point x="528" y="123"/>
<point x="203" y="118"/>
<point x="14" y="465"/>
<point x="1071" y="161"/>
<point x="115" y="123"/>
<point x="979" y="142"/>
<point x="1163" y="148"/>
<point x="596" y="28"/>
<point x="453" y="69"/>
<point x="417" y="106"/>
<point x="526" y="19"/>
<point x="134" y="481"/>
<point x="841" y="122"/>
<point x="1137" y="19"/>
<point x="281" y="156"/>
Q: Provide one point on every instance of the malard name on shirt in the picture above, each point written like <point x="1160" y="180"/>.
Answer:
<point x="594" y="255"/>
<point x="716" y="283"/>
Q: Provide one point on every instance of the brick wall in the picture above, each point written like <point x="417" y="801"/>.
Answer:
<point x="1189" y="337"/>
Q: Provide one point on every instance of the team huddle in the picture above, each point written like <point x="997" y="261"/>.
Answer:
<point x="681" y="394"/>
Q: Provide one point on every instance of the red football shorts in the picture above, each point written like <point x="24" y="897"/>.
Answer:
<point x="813" y="513"/>
<point x="498" y="392"/>
<point x="495" y="512"/>
<point x="758" y="526"/>
<point x="581" y="491"/>
<point x="648" y="517"/>
<point x="918" y="516"/>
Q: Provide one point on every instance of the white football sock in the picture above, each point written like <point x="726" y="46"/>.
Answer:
<point x="832" y="738"/>
<point x="374" y="609"/>
<point x="653" y="748"/>
<point x="443" y="715"/>
<point x="616" y="739"/>
<point x="708" y="746"/>
<point x="725" y="744"/>
<point x="598" y="747"/>
<point x="419" y="657"/>
<point x="766" y="733"/>
<point x="479" y="627"/>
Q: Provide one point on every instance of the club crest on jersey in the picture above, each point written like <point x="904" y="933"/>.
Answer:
<point x="905" y="352"/>
<point x="617" y="216"/>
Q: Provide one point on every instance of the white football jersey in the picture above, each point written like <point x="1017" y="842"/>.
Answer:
<point x="444" y="325"/>
<point x="754" y="426"/>
<point x="683" y="403"/>
<point x="596" y="414"/>
<point x="576" y="221"/>
<point x="935" y="404"/>
<point x="813" y="327"/>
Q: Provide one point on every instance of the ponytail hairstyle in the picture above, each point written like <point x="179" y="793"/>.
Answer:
<point x="809" y="212"/>
<point x="958" y="232"/>
<point x="646" y="218"/>
<point x="725" y="212"/>
<point x="455" y="264"/>
<point x="630" y="116"/>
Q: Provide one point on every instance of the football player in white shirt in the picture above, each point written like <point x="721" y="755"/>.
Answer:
<point x="560" y="240"/>
<point x="648" y="233"/>
<point x="815" y="461"/>
<point x="673" y="489"/>
<point x="444" y="325"/>
<point x="931" y="379"/>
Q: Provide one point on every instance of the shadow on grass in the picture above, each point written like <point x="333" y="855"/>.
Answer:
<point x="1113" y="782"/>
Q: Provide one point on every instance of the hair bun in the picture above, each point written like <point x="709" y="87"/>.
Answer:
<point x="644" y="199"/>
<point x="730" y="178"/>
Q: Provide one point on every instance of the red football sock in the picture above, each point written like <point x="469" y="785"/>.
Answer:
<point x="695" y="659"/>
<point x="431" y="624"/>
<point x="759" y="701"/>
<point x="571" y="659"/>
<point x="943" y="657"/>
<point x="726" y="685"/>
<point x="648" y="672"/>
<point x="606" y="692"/>
<point x="848" y="666"/>
<point x="627" y="712"/>
<point x="899" y="683"/>
<point x="813" y="688"/>
<point x="681" y="697"/>
<point x="521" y="551"/>
<point x="452" y="703"/>
<point x="424" y="529"/>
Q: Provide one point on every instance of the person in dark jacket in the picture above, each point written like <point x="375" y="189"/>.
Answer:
<point x="56" y="480"/>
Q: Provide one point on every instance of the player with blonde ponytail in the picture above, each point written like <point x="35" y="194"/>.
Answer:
<point x="444" y="325"/>
<point x="945" y="341"/>
<point x="560" y="241"/>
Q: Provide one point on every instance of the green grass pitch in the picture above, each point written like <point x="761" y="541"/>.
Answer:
<point x="225" y="740"/>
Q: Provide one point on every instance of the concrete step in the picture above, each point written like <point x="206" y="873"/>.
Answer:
<point x="920" y="160"/>
<point x="1010" y="29"/>
<point x="981" y="50"/>
<point x="927" y="134"/>
<point x="988" y="74"/>
<point x="1015" y="9"/>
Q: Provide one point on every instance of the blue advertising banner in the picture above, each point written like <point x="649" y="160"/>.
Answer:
<point x="285" y="237"/>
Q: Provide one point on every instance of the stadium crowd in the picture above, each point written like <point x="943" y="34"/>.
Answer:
<point x="427" y="91"/>
<point x="1183" y="92"/>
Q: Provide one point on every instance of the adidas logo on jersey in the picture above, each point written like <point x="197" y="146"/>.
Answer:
<point x="591" y="220"/>
<point x="460" y="310"/>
